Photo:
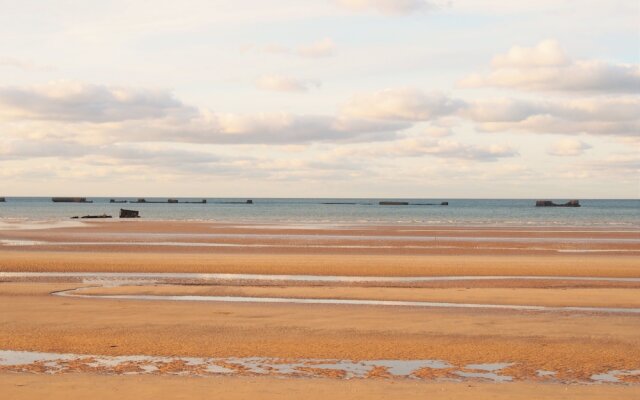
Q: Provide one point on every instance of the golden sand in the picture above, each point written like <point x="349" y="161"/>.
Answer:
<point x="580" y="344"/>
<point x="576" y="345"/>
<point x="100" y="387"/>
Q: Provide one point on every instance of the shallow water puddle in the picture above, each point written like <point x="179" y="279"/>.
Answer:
<point x="289" y="300"/>
<point x="107" y="279"/>
<point x="53" y="363"/>
<point x="427" y="246"/>
<point x="615" y="376"/>
<point x="16" y="242"/>
<point x="57" y="363"/>
<point x="488" y="371"/>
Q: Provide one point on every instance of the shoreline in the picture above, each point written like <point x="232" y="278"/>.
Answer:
<point x="45" y="223"/>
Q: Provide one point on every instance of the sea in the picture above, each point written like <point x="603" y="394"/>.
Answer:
<point x="606" y="213"/>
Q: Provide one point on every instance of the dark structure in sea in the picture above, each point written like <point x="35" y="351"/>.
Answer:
<point x="549" y="203"/>
<point x="406" y="203"/>
<point x="235" y="202"/>
<point x="129" y="213"/>
<point x="70" y="200"/>
<point x="169" y="201"/>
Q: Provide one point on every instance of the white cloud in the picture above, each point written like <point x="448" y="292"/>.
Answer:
<point x="387" y="6"/>
<point x="547" y="53"/>
<point x="98" y="115"/>
<point x="618" y="115"/>
<point x="546" y="67"/>
<point x="318" y="49"/>
<point x="23" y="65"/>
<point x="420" y="147"/>
<point x="603" y="116"/>
<point x="279" y="83"/>
<point x="438" y="131"/>
<point x="404" y="104"/>
<point x="567" y="147"/>
<point x="321" y="48"/>
<point x="619" y="167"/>
<point x="285" y="128"/>
<point x="84" y="102"/>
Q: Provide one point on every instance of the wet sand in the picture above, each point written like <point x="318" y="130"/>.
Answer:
<point x="99" y="387"/>
<point x="76" y="260"/>
<point x="564" y="297"/>
<point x="575" y="345"/>
<point x="201" y="237"/>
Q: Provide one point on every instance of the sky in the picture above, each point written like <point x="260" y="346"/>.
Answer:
<point x="320" y="98"/>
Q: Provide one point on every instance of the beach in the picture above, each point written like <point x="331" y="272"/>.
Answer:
<point x="342" y="199"/>
<point x="353" y="311"/>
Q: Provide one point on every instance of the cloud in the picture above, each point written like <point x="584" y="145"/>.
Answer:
<point x="321" y="48"/>
<point x="567" y="147"/>
<point x="620" y="167"/>
<point x="618" y="115"/>
<point x="131" y="153"/>
<point x="546" y="67"/>
<point x="278" y="83"/>
<point x="17" y="149"/>
<point x="601" y="116"/>
<point x="318" y="49"/>
<point x="438" y="131"/>
<point x="420" y="147"/>
<point x="404" y="104"/>
<point x="387" y="6"/>
<point x="151" y="161"/>
<point x="84" y="102"/>
<point x="214" y="128"/>
<point x="261" y="128"/>
<point x="23" y="65"/>
<point x="99" y="115"/>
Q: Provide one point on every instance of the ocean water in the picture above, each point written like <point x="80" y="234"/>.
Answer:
<point x="474" y="212"/>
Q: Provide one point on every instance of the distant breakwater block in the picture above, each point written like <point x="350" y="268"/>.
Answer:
<point x="2" y="199"/>
<point x="236" y="202"/>
<point x="92" y="216"/>
<point x="129" y="213"/>
<point x="169" y="201"/>
<point x="549" y="203"/>
<point x="406" y="203"/>
<point x="394" y="203"/>
<point x="70" y="200"/>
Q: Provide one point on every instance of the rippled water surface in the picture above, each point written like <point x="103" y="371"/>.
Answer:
<point x="606" y="213"/>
